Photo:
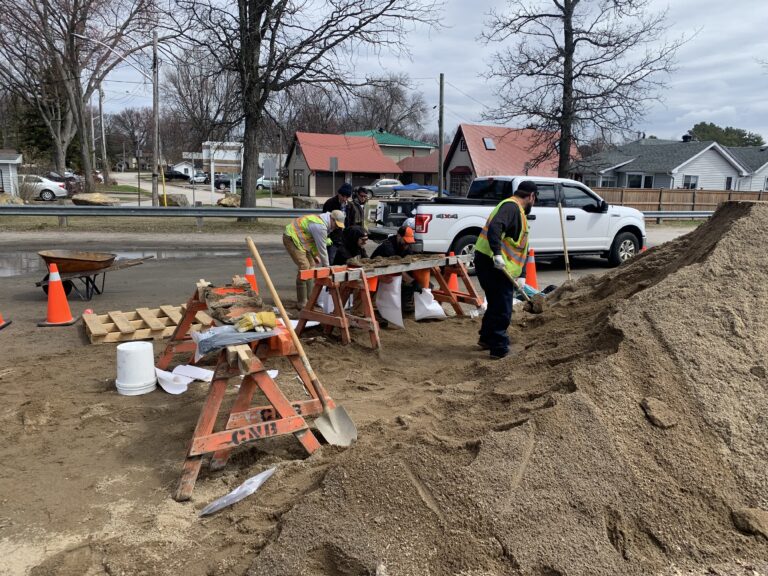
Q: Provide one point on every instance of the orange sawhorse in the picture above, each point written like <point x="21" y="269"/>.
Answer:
<point x="455" y="298"/>
<point x="340" y="291"/>
<point x="245" y="424"/>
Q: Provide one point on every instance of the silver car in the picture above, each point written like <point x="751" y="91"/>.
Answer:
<point x="33" y="186"/>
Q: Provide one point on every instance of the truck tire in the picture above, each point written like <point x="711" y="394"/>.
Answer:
<point x="625" y="246"/>
<point x="466" y="245"/>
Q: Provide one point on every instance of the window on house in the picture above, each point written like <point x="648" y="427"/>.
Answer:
<point x="690" y="182"/>
<point x="639" y="180"/>
<point x="463" y="145"/>
<point x="489" y="144"/>
<point x="459" y="184"/>
<point x="729" y="183"/>
<point x="298" y="151"/>
<point x="298" y="178"/>
<point x="591" y="180"/>
<point x="608" y="182"/>
<point x="765" y="186"/>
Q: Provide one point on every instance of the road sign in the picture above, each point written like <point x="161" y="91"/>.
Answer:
<point x="334" y="164"/>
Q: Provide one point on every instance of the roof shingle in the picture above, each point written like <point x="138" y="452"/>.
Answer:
<point x="354" y="153"/>
<point x="514" y="149"/>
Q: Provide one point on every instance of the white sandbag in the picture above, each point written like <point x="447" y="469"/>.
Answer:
<point x="426" y="306"/>
<point x="388" y="300"/>
<point x="325" y="301"/>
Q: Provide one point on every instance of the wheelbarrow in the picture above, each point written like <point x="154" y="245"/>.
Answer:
<point x="84" y="267"/>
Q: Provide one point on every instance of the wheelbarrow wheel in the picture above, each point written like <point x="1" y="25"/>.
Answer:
<point x="68" y="285"/>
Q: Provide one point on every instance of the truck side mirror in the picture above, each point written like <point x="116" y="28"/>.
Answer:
<point x="603" y="206"/>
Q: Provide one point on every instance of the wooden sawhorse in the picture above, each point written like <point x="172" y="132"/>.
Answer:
<point x="245" y="424"/>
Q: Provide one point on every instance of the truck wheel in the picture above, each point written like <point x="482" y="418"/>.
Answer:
<point x="466" y="245"/>
<point x="625" y="246"/>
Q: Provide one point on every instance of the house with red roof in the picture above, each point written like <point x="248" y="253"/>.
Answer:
<point x="420" y="169"/>
<point x="319" y="163"/>
<point x="478" y="150"/>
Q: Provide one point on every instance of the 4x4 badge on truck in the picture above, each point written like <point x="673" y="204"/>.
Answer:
<point x="456" y="216"/>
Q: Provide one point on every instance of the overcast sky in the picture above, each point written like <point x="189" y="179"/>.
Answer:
<point x="718" y="79"/>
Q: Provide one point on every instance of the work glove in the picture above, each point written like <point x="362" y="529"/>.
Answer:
<point x="498" y="262"/>
<point x="520" y="283"/>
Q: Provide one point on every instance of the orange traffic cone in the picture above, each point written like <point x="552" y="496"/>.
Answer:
<point x="453" y="279"/>
<point x="58" y="307"/>
<point x="530" y="270"/>
<point x="250" y="276"/>
<point x="3" y="323"/>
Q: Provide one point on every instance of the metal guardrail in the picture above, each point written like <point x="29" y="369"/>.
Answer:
<point x="64" y="211"/>
<point x="678" y="214"/>
<point x="18" y="210"/>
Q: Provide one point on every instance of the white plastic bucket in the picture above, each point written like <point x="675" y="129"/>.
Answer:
<point x="135" y="368"/>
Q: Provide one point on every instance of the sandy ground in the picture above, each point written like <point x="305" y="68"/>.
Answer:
<point x="544" y="464"/>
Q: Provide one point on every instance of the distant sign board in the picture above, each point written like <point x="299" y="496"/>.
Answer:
<point x="334" y="164"/>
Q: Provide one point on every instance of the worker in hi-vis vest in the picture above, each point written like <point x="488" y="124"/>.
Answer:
<point x="306" y="240"/>
<point x="503" y="244"/>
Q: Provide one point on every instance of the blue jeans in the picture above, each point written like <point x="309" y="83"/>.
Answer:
<point x="499" y="293"/>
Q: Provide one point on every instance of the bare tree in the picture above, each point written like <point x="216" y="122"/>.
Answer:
<point x="577" y="67"/>
<point x="273" y="45"/>
<point x="28" y="75"/>
<point x="392" y="105"/>
<point x="133" y="125"/>
<point x="81" y="41"/>
<point x="204" y="98"/>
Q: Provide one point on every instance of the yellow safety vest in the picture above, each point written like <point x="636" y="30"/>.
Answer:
<point x="514" y="251"/>
<point x="299" y="232"/>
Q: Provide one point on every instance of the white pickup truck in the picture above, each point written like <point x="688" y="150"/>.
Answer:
<point x="592" y="226"/>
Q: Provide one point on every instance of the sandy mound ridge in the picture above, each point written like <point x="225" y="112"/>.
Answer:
<point x="624" y="439"/>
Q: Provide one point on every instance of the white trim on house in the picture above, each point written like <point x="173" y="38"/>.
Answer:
<point x="730" y="159"/>
<point x="617" y="166"/>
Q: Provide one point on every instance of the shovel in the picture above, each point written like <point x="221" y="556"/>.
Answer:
<point x="334" y="423"/>
<point x="534" y="305"/>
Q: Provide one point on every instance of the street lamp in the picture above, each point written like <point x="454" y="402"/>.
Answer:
<point x="155" y="105"/>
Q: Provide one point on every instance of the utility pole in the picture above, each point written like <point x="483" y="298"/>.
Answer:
<point x="440" y="177"/>
<point x="155" y="122"/>
<point x="93" y="138"/>
<point x="104" y="161"/>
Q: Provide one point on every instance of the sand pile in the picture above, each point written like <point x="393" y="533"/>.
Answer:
<point x="628" y="436"/>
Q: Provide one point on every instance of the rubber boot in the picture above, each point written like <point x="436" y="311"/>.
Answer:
<point x="301" y="294"/>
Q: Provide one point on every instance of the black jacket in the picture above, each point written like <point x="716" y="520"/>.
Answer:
<point x="349" y="247"/>
<point x="390" y="247"/>
<point x="330" y="205"/>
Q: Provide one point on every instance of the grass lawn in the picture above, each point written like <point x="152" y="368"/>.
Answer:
<point x="141" y="224"/>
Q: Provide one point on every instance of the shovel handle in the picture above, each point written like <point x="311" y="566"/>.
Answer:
<point x="287" y="321"/>
<point x="514" y="284"/>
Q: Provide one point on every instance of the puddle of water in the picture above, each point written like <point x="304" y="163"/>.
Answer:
<point x="20" y="263"/>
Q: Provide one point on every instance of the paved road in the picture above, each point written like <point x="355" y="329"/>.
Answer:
<point x="180" y="261"/>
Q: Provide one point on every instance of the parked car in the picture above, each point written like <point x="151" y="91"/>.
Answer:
<point x="383" y="186"/>
<point x="72" y="183"/>
<point x="267" y="183"/>
<point x="175" y="175"/>
<point x="592" y="226"/>
<point x="223" y="181"/>
<point x="199" y="178"/>
<point x="34" y="186"/>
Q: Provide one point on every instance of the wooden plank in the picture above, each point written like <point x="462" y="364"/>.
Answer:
<point x="204" y="319"/>
<point x="144" y="334"/>
<point x="93" y="325"/>
<point x="121" y="322"/>
<point x="150" y="319"/>
<point x="173" y="312"/>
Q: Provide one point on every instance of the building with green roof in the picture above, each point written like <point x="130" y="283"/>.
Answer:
<point x="394" y="146"/>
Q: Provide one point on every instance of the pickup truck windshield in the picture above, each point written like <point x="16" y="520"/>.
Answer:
<point x="490" y="189"/>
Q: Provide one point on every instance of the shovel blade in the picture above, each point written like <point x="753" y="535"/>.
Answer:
<point x="337" y="427"/>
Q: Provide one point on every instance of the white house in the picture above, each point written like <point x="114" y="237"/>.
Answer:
<point x="755" y="160"/>
<point x="653" y="163"/>
<point x="9" y="172"/>
<point x="185" y="167"/>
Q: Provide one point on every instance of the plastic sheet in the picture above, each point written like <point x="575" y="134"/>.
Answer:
<point x="243" y="491"/>
<point x="221" y="336"/>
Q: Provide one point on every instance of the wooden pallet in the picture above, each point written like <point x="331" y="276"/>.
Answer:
<point x="141" y="324"/>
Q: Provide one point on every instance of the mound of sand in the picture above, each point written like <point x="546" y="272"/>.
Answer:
<point x="629" y="435"/>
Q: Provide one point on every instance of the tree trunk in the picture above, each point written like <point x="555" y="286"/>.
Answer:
<point x="59" y="155"/>
<point x="250" y="160"/>
<point x="567" y="113"/>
